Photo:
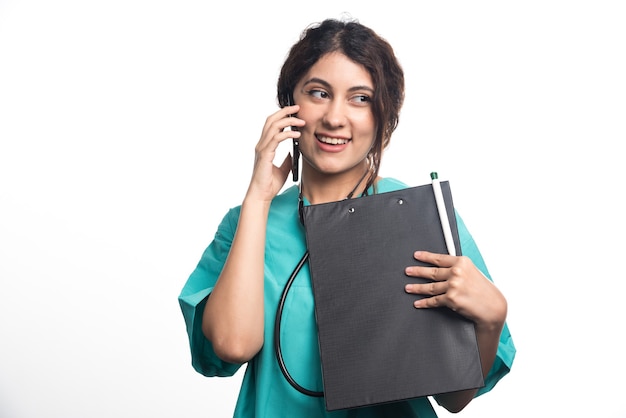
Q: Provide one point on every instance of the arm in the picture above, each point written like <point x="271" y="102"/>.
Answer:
<point x="233" y="318"/>
<point x="460" y="286"/>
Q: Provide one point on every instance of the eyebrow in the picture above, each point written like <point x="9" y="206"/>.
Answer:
<point x="329" y="87"/>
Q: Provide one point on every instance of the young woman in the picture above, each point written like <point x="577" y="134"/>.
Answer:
<point x="340" y="92"/>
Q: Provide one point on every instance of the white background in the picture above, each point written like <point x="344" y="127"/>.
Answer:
<point x="127" y="129"/>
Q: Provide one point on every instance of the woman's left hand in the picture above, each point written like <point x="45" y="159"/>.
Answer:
<point x="456" y="283"/>
<point x="459" y="285"/>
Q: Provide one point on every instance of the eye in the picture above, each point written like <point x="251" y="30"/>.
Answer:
<point x="318" y="94"/>
<point x="361" y="99"/>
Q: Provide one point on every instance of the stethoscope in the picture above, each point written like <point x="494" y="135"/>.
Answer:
<point x="283" y="298"/>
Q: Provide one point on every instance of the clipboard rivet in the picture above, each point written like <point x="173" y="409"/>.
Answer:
<point x="351" y="210"/>
<point x="400" y="202"/>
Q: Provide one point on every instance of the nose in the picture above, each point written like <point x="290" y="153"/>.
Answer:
<point x="335" y="115"/>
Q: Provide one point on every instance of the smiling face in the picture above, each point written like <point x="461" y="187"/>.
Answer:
<point x="335" y="102"/>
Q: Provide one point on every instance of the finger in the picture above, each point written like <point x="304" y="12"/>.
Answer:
<point x="441" y="260"/>
<point x="430" y="302"/>
<point x="279" y="131"/>
<point x="425" y="272"/>
<point x="274" y="125"/>
<point x="285" y="168"/>
<point x="268" y="145"/>
<point x="291" y="109"/>
<point x="284" y="117"/>
<point x="428" y="289"/>
<point x="282" y="113"/>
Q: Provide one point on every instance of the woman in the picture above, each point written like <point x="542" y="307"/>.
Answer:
<point x="340" y="92"/>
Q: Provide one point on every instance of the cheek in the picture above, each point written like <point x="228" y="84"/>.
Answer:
<point x="307" y="113"/>
<point x="365" y="125"/>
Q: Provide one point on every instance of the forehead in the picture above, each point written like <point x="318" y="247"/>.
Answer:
<point x="339" y="71"/>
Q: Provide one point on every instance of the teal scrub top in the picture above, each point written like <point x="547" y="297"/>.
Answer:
<point x="264" y="390"/>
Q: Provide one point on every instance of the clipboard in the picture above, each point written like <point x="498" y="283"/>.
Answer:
<point x="375" y="347"/>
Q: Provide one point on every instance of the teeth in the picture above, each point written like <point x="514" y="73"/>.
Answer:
<point x="333" y="141"/>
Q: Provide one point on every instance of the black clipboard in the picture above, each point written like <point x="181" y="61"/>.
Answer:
<point x="375" y="347"/>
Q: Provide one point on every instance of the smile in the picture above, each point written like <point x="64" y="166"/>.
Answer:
<point x="332" y="141"/>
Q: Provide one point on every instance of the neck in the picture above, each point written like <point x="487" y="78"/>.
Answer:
<point x="324" y="189"/>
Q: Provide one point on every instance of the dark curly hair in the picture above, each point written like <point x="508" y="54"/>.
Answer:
<point x="363" y="46"/>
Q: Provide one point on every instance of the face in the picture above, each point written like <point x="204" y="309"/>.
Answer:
<point x="335" y="102"/>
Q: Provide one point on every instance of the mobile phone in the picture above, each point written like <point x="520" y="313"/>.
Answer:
<point x="295" y="156"/>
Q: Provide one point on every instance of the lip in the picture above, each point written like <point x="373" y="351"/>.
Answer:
<point x="327" y="147"/>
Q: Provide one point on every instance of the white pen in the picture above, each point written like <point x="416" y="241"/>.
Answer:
<point x="443" y="214"/>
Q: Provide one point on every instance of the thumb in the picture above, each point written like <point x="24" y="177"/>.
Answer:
<point x="285" y="168"/>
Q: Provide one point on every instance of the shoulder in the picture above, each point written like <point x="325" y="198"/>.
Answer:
<point x="286" y="198"/>
<point x="284" y="209"/>
<point x="389" y="184"/>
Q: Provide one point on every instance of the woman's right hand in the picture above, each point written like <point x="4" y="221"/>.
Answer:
<point x="233" y="318"/>
<point x="267" y="178"/>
